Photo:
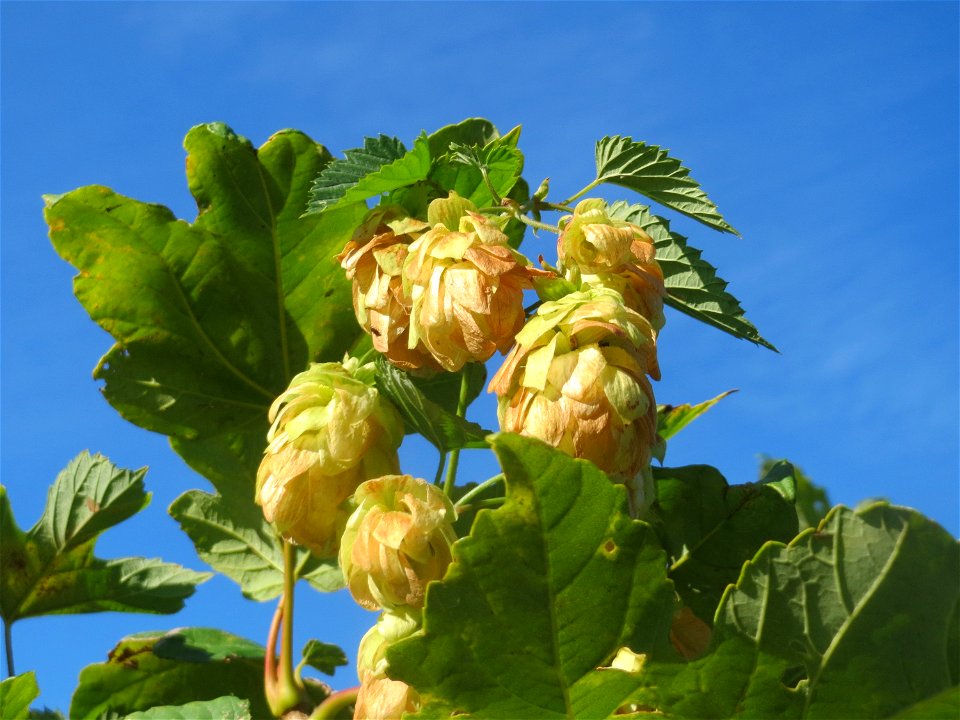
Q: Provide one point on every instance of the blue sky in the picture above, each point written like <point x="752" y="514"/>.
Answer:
<point x="827" y="133"/>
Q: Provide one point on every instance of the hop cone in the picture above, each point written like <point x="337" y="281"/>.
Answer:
<point x="380" y="698"/>
<point x="330" y="431"/>
<point x="577" y="380"/>
<point x="396" y="541"/>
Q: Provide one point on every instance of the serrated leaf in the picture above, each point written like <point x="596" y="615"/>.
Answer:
<point x="709" y="528"/>
<point x="382" y="165"/>
<point x="692" y="284"/>
<point x="221" y="708"/>
<point x="648" y="170"/>
<point x="472" y="131"/>
<point x="16" y="694"/>
<point x="212" y="319"/>
<point x="323" y="656"/>
<point x="234" y="539"/>
<point x="829" y="626"/>
<point x="671" y="419"/>
<point x="443" y="429"/>
<point x="541" y="594"/>
<point x="500" y="158"/>
<point x="51" y="568"/>
<point x="172" y="668"/>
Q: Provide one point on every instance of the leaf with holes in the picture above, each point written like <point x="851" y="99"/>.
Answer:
<point x="212" y="319"/>
<point x="541" y="595"/>
<point x="829" y="626"/>
<point x="51" y="568"/>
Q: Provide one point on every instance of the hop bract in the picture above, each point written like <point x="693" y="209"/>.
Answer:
<point x="330" y="431"/>
<point x="396" y="541"/>
<point x="373" y="260"/>
<point x="466" y="286"/>
<point x="380" y="698"/>
<point x="597" y="250"/>
<point x="577" y="380"/>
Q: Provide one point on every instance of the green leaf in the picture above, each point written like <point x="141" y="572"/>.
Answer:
<point x="812" y="502"/>
<point x="443" y="388"/>
<point x="442" y="428"/>
<point x="323" y="656"/>
<point x="671" y="419"/>
<point x="382" y="165"/>
<point x="500" y="159"/>
<point x="472" y="131"/>
<point x="847" y="621"/>
<point x="692" y="284"/>
<point x="212" y="319"/>
<point x="16" y="694"/>
<point x="709" y="528"/>
<point x="51" y="568"/>
<point x="235" y="540"/>
<point x="944" y="705"/>
<point x="541" y="594"/>
<point x="648" y="170"/>
<point x="221" y="708"/>
<point x="172" y="668"/>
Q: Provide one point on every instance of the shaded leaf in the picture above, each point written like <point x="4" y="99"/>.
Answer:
<point x="323" y="656"/>
<point x="51" y="568"/>
<point x="443" y="429"/>
<point x="222" y="708"/>
<point x="944" y="705"/>
<point x="234" y="539"/>
<point x="828" y="626"/>
<point x="541" y="594"/>
<point x="16" y="694"/>
<point x="648" y="170"/>
<point x="709" y="528"/>
<point x="692" y="284"/>
<point x="812" y="502"/>
<point x="500" y="159"/>
<point x="472" y="131"/>
<point x="382" y="165"/>
<point x="172" y="668"/>
<point x="671" y="419"/>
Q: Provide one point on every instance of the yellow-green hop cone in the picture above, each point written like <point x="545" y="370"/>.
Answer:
<point x="380" y="698"/>
<point x="396" y="541"/>
<point x="330" y="431"/>
<point x="577" y="380"/>
<point x="373" y="260"/>
<point x="595" y="249"/>
<point x="466" y="287"/>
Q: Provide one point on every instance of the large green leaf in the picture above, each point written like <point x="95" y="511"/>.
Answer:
<point x="51" y="568"/>
<point x="541" y="594"/>
<point x="648" y="170"/>
<point x="710" y="528"/>
<point x="172" y="668"/>
<point x="692" y="284"/>
<point x="847" y="621"/>
<point x="235" y="540"/>
<point x="382" y="165"/>
<point x="222" y="708"/>
<point x="212" y="319"/>
<point x="444" y="429"/>
<point x="942" y="706"/>
<point x="16" y="694"/>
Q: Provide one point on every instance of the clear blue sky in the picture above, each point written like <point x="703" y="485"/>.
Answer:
<point x="827" y="133"/>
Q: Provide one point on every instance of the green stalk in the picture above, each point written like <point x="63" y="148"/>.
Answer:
<point x="335" y="703"/>
<point x="537" y="224"/>
<point x="583" y="192"/>
<point x="438" y="478"/>
<point x="283" y="689"/>
<point x="468" y="496"/>
<point x="8" y="646"/>
<point x="455" y="453"/>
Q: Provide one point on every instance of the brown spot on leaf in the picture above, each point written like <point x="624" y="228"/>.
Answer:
<point x="92" y="505"/>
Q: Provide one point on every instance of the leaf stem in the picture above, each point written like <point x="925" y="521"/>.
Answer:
<point x="481" y="504"/>
<point x="486" y="179"/>
<point x="286" y="638"/>
<point x="536" y="223"/>
<point x="455" y="453"/>
<point x="478" y="489"/>
<point x="335" y="702"/>
<point x="8" y="646"/>
<point x="438" y="478"/>
<point x="583" y="192"/>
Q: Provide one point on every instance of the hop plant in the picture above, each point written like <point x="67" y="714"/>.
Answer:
<point x="465" y="284"/>
<point x="597" y="250"/>
<point x="396" y="541"/>
<point x="373" y="260"/>
<point x="330" y="431"/>
<point x="380" y="698"/>
<point x="577" y="380"/>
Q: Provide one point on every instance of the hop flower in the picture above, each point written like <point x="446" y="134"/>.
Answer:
<point x="597" y="250"/>
<point x="396" y="541"/>
<point x="380" y="698"/>
<point x="577" y="380"/>
<point x="373" y="260"/>
<point x="330" y="431"/>
<point x="466" y="286"/>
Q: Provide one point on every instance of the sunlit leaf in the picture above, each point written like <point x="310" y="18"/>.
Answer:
<point x="671" y="419"/>
<point x="222" y="708"/>
<point x="16" y="694"/>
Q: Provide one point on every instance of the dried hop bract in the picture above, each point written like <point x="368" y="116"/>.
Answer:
<point x="330" y="431"/>
<point x="396" y="541"/>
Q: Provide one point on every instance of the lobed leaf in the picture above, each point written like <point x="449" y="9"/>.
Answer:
<point x="235" y="540"/>
<point x="16" y="694"/>
<point x="648" y="170"/>
<point x="542" y="593"/>
<point x="221" y="708"/>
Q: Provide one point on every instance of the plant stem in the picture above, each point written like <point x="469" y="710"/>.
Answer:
<point x="583" y="192"/>
<point x="8" y="646"/>
<point x="478" y="489"/>
<point x="455" y="453"/>
<point x="493" y="191"/>
<point x="438" y="478"/>
<point x="536" y="223"/>
<point x="331" y="707"/>
<point x="480" y="505"/>
<point x="286" y="638"/>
